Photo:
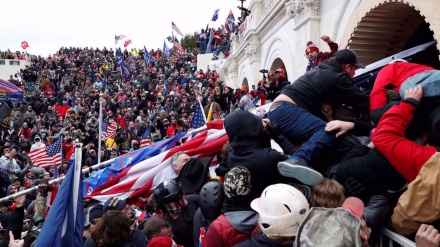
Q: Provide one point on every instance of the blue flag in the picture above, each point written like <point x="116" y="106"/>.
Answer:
<point x="124" y="70"/>
<point x="147" y="57"/>
<point x="166" y="51"/>
<point x="215" y="16"/>
<point x="98" y="178"/>
<point x="64" y="224"/>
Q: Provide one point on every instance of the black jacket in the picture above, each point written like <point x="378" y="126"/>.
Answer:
<point x="326" y="84"/>
<point x="250" y="148"/>
<point x="365" y="172"/>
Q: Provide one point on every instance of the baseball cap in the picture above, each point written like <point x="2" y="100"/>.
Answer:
<point x="347" y="56"/>
<point x="113" y="203"/>
<point x="162" y="241"/>
<point x="354" y="205"/>
<point x="323" y="227"/>
<point x="332" y="227"/>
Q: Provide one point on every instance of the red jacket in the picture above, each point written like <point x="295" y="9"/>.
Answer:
<point x="394" y="74"/>
<point x="406" y="156"/>
<point x="222" y="234"/>
<point x="62" y="109"/>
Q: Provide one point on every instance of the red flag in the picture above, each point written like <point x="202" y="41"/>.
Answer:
<point x="24" y="45"/>
<point x="138" y="181"/>
<point x="127" y="42"/>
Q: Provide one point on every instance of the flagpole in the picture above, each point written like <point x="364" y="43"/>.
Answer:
<point x="96" y="167"/>
<point x="201" y="106"/>
<point x="101" y="97"/>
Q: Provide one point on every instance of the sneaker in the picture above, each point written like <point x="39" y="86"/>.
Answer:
<point x="293" y="169"/>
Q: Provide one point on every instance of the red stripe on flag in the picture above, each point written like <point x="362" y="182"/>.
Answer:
<point x="140" y="179"/>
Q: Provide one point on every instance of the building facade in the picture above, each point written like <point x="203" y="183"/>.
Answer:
<point x="275" y="34"/>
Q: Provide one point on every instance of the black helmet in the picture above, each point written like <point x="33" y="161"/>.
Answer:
<point x="167" y="191"/>
<point x="211" y="200"/>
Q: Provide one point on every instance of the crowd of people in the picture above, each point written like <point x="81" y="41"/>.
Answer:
<point x="350" y="162"/>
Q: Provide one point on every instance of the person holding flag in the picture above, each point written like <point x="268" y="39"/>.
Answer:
<point x="212" y="109"/>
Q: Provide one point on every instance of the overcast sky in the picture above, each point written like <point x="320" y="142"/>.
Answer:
<point x="48" y="25"/>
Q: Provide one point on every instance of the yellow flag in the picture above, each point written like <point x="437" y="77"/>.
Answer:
<point x="209" y="117"/>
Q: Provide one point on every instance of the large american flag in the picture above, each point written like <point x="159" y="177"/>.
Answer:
<point x="120" y="37"/>
<point x="108" y="130"/>
<point x="138" y="181"/>
<point x="178" y="46"/>
<point x="176" y="29"/>
<point x="198" y="120"/>
<point x="44" y="157"/>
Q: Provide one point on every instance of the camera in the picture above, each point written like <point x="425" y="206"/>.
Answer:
<point x="264" y="71"/>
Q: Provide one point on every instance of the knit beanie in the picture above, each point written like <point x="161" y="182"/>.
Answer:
<point x="311" y="47"/>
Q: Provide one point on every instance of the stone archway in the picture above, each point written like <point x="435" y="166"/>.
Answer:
<point x="390" y="27"/>
<point x="278" y="63"/>
<point x="245" y="83"/>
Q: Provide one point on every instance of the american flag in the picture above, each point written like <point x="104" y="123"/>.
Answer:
<point x="120" y="37"/>
<point x="178" y="46"/>
<point x="108" y="130"/>
<point x="44" y="157"/>
<point x="138" y="181"/>
<point x="198" y="120"/>
<point x="176" y="29"/>
<point x="145" y="135"/>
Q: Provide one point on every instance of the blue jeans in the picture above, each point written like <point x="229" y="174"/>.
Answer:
<point x="217" y="51"/>
<point x="298" y="124"/>
<point x="428" y="79"/>
<point x="202" y="46"/>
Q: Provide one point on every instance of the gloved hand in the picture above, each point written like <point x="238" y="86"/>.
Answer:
<point x="273" y="129"/>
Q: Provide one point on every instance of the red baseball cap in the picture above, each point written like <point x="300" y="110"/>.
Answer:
<point x="162" y="241"/>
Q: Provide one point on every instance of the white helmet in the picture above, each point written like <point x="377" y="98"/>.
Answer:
<point x="281" y="208"/>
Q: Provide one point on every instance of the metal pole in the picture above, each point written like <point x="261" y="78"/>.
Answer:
<point x="101" y="97"/>
<point x="96" y="167"/>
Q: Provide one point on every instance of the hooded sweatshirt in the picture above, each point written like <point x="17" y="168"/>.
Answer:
<point x="250" y="148"/>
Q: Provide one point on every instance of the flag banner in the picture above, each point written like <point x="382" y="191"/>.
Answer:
<point x="127" y="43"/>
<point x="170" y="39"/>
<point x="44" y="157"/>
<point x="10" y="92"/>
<point x="147" y="57"/>
<point x="139" y="180"/>
<point x="5" y="115"/>
<point x="98" y="178"/>
<point x="198" y="119"/>
<point x="166" y="51"/>
<point x="64" y="223"/>
<point x="120" y="37"/>
<point x="176" y="29"/>
<point x="108" y="130"/>
<point x="215" y="16"/>
<point x="178" y="46"/>
<point x="124" y="70"/>
<point x="24" y="45"/>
